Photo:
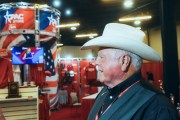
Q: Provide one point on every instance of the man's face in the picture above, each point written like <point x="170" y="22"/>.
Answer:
<point x="109" y="67"/>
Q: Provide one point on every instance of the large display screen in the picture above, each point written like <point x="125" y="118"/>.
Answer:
<point x="27" y="55"/>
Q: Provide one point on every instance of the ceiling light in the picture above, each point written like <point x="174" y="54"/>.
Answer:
<point x="138" y="28"/>
<point x="137" y="22"/>
<point x="68" y="12"/>
<point x="128" y="3"/>
<point x="73" y="28"/>
<point x="68" y="25"/>
<point x="91" y="37"/>
<point x="86" y="35"/>
<point x="59" y="44"/>
<point x="135" y="18"/>
<point x="57" y="3"/>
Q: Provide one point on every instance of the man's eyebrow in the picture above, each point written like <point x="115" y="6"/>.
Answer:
<point x="99" y="53"/>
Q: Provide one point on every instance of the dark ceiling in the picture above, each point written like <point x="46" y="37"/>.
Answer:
<point x="93" y="15"/>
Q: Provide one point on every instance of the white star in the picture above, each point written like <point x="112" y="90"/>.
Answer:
<point x="8" y="17"/>
<point x="52" y="21"/>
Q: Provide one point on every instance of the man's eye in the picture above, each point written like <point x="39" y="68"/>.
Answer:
<point x="101" y="57"/>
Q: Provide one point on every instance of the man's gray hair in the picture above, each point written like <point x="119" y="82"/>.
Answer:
<point x="136" y="60"/>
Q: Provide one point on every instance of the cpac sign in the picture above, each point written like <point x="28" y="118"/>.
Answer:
<point x="14" y="18"/>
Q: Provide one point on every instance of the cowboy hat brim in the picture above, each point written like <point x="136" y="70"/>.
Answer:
<point x="134" y="46"/>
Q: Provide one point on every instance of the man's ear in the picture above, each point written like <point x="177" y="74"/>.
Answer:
<point x="126" y="61"/>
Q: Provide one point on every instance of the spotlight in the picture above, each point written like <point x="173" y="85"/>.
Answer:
<point x="128" y="4"/>
<point x="68" y="12"/>
<point x="137" y="22"/>
<point x="73" y="28"/>
<point x="56" y="3"/>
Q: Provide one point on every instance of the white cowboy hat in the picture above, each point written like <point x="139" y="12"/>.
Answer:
<point x="116" y="35"/>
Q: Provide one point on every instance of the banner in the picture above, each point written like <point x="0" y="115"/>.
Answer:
<point x="48" y="21"/>
<point x="17" y="19"/>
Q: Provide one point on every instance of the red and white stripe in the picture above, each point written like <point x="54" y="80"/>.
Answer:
<point x="13" y="40"/>
<point x="8" y="41"/>
<point x="53" y="80"/>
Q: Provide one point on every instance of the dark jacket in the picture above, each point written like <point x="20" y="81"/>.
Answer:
<point x="141" y="102"/>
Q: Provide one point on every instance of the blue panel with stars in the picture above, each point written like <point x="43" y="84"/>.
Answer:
<point x="47" y="18"/>
<point x="48" y="56"/>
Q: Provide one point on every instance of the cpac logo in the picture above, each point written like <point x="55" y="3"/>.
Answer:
<point x="52" y="21"/>
<point x="15" y="18"/>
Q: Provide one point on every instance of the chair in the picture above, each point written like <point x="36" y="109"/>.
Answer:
<point x="74" y="102"/>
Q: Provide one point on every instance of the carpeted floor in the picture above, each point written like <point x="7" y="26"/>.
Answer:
<point x="67" y="113"/>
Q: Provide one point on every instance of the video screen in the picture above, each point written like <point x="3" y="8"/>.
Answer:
<point x="27" y="55"/>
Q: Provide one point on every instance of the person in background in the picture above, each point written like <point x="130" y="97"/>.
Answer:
<point x="126" y="96"/>
<point x="150" y="77"/>
<point x="28" y="56"/>
<point x="6" y="72"/>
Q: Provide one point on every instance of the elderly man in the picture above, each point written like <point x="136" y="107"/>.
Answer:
<point x="125" y="95"/>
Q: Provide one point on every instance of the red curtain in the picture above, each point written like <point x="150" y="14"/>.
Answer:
<point x="86" y="107"/>
<point x="156" y="68"/>
<point x="86" y="90"/>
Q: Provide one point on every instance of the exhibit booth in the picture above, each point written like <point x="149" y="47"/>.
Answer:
<point x="28" y="33"/>
<point x="33" y="80"/>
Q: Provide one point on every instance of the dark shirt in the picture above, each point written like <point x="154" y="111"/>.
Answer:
<point x="158" y="107"/>
<point x="113" y="93"/>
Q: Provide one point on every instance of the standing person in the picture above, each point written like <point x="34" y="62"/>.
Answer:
<point x="6" y="72"/>
<point x="126" y="96"/>
<point x="150" y="77"/>
<point x="28" y="56"/>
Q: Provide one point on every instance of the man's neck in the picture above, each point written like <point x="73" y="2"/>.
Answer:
<point x="124" y="77"/>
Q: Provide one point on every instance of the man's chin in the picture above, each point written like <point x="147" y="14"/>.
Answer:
<point x="100" y="80"/>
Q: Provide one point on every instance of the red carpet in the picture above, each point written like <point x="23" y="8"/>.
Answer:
<point x="67" y="113"/>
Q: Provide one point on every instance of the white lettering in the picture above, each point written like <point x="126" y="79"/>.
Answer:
<point x="17" y="18"/>
<point x="17" y="53"/>
<point x="12" y="26"/>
